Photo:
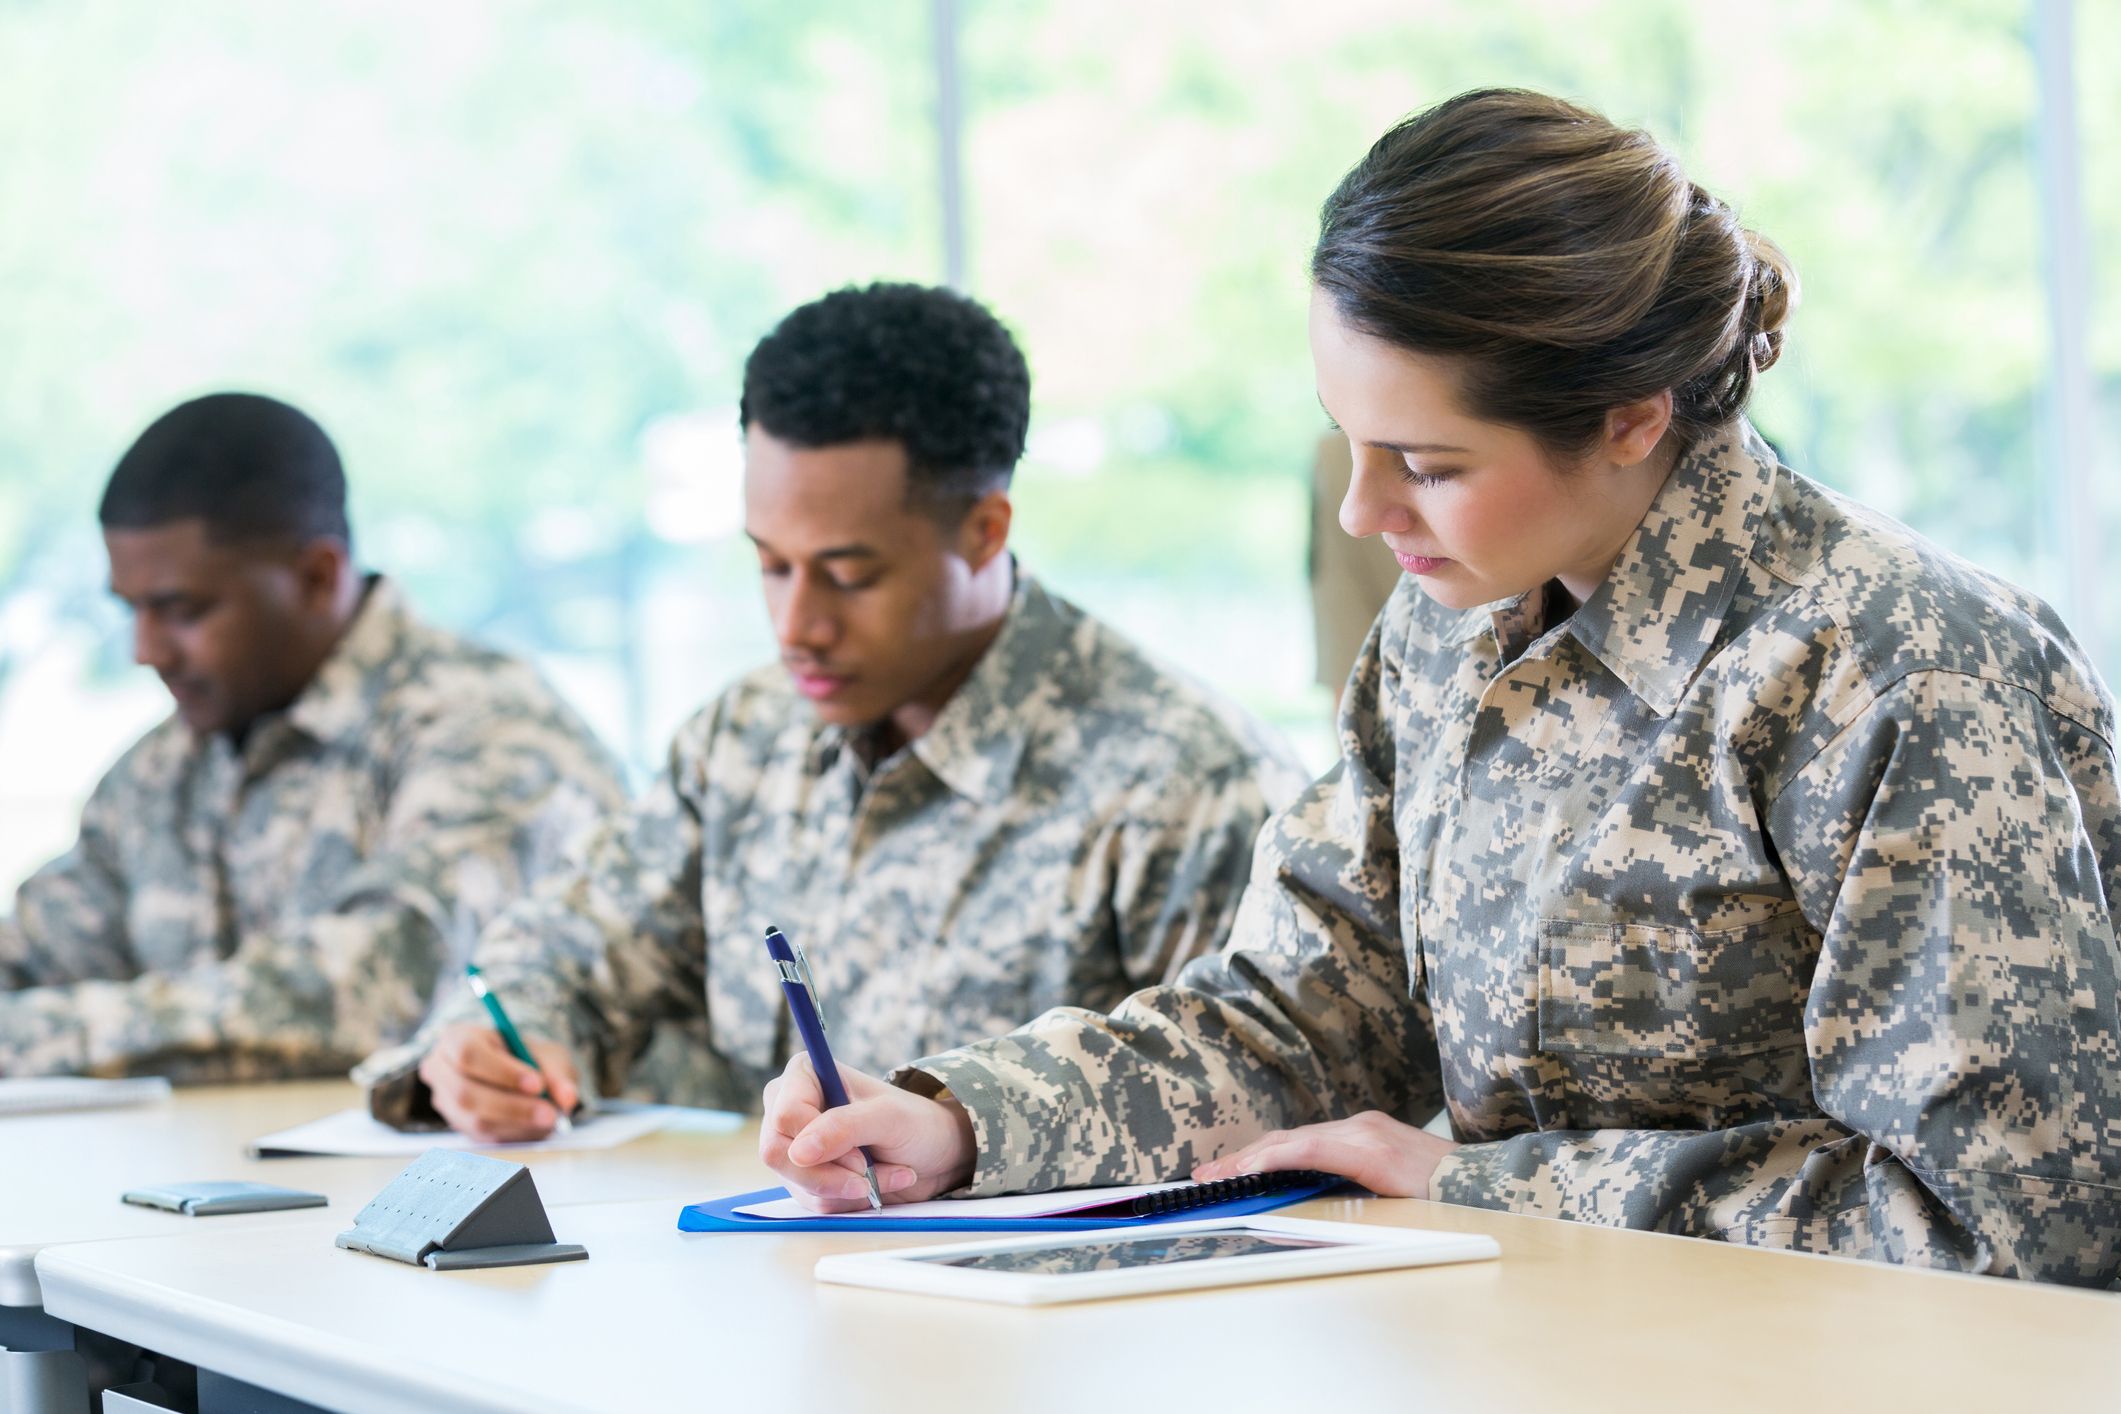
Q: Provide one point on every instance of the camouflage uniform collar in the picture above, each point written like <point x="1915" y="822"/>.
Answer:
<point x="338" y="699"/>
<point x="1655" y="617"/>
<point x="980" y="735"/>
<point x="1513" y="622"/>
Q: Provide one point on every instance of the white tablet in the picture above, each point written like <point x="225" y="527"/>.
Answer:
<point x="1040" y="1269"/>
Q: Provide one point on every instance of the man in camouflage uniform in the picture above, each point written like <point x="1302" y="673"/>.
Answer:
<point x="268" y="884"/>
<point x="965" y="798"/>
<point x="1768" y="897"/>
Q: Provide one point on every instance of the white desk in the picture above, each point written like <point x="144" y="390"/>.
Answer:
<point x="1572" y="1316"/>
<point x="61" y="1174"/>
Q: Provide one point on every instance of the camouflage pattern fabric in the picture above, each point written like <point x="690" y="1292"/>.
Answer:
<point x="1768" y="897"/>
<point x="284" y="908"/>
<point x="1077" y="823"/>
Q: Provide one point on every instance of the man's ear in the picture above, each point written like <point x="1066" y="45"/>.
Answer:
<point x="1633" y="430"/>
<point x="321" y="566"/>
<point x="984" y="533"/>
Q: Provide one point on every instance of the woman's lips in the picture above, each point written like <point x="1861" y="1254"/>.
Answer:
<point x="1419" y="564"/>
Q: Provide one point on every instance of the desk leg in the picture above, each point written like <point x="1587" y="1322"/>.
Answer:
<point x="42" y="1382"/>
<point x="39" y="1371"/>
<point x="50" y="1366"/>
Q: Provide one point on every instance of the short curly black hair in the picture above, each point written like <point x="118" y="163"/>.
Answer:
<point x="925" y="367"/>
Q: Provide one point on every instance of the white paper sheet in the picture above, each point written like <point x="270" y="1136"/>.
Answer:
<point x="356" y="1134"/>
<point x="1012" y="1205"/>
<point x="43" y="1094"/>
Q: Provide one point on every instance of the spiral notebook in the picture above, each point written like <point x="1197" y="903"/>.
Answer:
<point x="772" y="1210"/>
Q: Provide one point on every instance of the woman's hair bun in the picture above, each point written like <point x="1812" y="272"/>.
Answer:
<point x="1770" y="297"/>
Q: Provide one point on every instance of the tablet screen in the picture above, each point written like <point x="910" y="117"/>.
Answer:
<point x="1124" y="1253"/>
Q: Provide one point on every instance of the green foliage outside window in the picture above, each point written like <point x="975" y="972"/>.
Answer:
<point x="512" y="253"/>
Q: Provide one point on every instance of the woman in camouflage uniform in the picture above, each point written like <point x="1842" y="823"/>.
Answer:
<point x="1721" y="857"/>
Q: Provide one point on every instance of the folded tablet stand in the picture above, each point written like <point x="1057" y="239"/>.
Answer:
<point x="451" y="1210"/>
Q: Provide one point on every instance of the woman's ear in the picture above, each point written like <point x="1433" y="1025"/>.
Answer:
<point x="1633" y="430"/>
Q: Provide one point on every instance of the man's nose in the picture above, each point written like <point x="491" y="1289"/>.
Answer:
<point x="808" y="619"/>
<point x="152" y="647"/>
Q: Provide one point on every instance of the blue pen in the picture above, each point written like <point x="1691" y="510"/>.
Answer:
<point x="810" y="1025"/>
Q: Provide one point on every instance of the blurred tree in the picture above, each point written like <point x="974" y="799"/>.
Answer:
<point x="488" y="244"/>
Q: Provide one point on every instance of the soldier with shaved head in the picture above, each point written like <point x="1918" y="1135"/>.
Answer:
<point x="270" y="883"/>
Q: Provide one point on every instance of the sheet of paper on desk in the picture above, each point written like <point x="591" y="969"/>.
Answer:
<point x="1012" y="1205"/>
<point x="44" y="1094"/>
<point x="357" y="1134"/>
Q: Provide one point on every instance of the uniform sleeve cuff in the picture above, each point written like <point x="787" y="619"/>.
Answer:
<point x="1013" y="1129"/>
<point x="1475" y="1175"/>
<point x="1454" y="1177"/>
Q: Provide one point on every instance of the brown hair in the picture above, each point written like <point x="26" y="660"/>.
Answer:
<point x="1566" y="264"/>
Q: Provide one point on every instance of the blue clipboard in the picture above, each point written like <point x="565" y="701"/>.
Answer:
<point x="720" y="1215"/>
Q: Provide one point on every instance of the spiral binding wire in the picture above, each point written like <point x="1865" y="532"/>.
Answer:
<point x="1224" y="1190"/>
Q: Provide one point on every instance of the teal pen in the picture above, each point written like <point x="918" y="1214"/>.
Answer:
<point x="513" y="1038"/>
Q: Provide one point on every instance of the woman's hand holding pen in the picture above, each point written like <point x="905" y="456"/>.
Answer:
<point x="922" y="1147"/>
<point x="483" y="1091"/>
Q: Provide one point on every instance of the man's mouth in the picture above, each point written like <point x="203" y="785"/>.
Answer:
<point x="816" y="683"/>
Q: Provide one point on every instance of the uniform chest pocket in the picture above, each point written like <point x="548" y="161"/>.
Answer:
<point x="1631" y="989"/>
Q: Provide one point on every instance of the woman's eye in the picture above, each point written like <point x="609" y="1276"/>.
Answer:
<point x="1415" y="477"/>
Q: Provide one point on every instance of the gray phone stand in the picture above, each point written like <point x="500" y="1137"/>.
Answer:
<point x="452" y="1210"/>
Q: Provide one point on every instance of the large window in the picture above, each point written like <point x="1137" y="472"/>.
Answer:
<point x="512" y="253"/>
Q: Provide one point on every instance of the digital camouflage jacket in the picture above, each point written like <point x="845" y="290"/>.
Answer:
<point x="1766" y="897"/>
<point x="284" y="908"/>
<point x="1076" y="825"/>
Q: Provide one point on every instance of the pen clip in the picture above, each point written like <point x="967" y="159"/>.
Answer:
<point x="802" y="968"/>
